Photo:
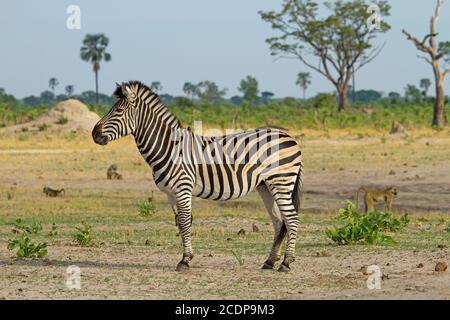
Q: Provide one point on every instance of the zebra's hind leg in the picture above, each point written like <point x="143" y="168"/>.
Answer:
<point x="278" y="225"/>
<point x="184" y="221"/>
<point x="283" y="196"/>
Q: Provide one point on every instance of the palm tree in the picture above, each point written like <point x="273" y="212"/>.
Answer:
<point x="69" y="90"/>
<point x="156" y="86"/>
<point x="303" y="80"/>
<point x="94" y="51"/>
<point x="52" y="84"/>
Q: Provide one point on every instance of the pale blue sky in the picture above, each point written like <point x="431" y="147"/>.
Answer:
<point x="174" y="41"/>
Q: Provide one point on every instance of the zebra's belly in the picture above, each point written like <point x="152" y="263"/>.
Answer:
<point x="223" y="189"/>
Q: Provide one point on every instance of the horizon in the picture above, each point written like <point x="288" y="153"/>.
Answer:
<point x="222" y="42"/>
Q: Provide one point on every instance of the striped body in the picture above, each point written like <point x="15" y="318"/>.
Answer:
<point x="219" y="168"/>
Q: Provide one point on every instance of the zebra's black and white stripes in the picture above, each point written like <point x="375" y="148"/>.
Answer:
<point x="219" y="168"/>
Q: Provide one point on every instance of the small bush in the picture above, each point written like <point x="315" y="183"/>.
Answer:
<point x="53" y="232"/>
<point x="43" y="127"/>
<point x="83" y="237"/>
<point x="26" y="247"/>
<point x="365" y="228"/>
<point x="34" y="228"/>
<point x="62" y="120"/>
<point x="146" y="208"/>
<point x="448" y="228"/>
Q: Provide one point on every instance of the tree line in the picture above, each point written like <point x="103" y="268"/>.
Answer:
<point x="341" y="43"/>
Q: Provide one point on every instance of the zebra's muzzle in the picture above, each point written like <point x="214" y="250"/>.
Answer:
<point x="98" y="136"/>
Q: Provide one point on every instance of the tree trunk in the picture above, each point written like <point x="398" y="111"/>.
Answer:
<point x="304" y="94"/>
<point x="342" y="97"/>
<point x="96" y="86"/>
<point x="439" y="103"/>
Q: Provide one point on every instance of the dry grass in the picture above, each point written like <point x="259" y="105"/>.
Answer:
<point x="134" y="256"/>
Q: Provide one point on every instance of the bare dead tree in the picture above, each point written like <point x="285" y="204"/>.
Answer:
<point x="435" y="54"/>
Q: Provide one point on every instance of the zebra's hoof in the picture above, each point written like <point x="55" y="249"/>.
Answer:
<point x="267" y="266"/>
<point x="284" y="268"/>
<point x="182" y="266"/>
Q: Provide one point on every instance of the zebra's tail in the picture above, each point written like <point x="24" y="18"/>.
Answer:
<point x="298" y="189"/>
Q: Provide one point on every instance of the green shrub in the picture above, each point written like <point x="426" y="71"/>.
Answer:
<point x="84" y="237"/>
<point x="448" y="228"/>
<point x="34" y="228"/>
<point x="26" y="247"/>
<point x="43" y="127"/>
<point x="146" y="208"/>
<point x="365" y="228"/>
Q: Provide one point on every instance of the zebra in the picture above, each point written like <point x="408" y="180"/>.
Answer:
<point x="186" y="164"/>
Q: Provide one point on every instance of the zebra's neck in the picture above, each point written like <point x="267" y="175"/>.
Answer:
<point x="155" y="129"/>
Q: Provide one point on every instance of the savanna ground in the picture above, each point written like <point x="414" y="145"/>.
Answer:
<point x="135" y="256"/>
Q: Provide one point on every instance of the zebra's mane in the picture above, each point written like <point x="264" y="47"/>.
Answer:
<point x="140" y="89"/>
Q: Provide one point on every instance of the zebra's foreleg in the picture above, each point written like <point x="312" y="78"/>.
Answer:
<point x="173" y="204"/>
<point x="184" y="221"/>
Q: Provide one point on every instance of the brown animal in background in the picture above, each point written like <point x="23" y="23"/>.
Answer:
<point x="54" y="192"/>
<point x="112" y="173"/>
<point x="372" y="195"/>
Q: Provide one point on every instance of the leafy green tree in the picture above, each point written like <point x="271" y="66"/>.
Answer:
<point x="266" y="96"/>
<point x="249" y="88"/>
<point x="156" y="86"/>
<point x="190" y="89"/>
<point x="425" y="83"/>
<point x="341" y="41"/>
<point x="52" y="84"/>
<point x="208" y="91"/>
<point x="367" y="95"/>
<point x="46" y="97"/>
<point x="435" y="53"/>
<point x="394" y="96"/>
<point x="69" y="90"/>
<point x="412" y="93"/>
<point x="94" y="52"/>
<point x="303" y="80"/>
<point x="236" y="100"/>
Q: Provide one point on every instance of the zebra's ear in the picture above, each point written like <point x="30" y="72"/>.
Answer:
<point x="128" y="92"/>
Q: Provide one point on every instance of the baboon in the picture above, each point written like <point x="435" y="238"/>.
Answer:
<point x="54" y="192"/>
<point x="112" y="173"/>
<point x="373" y="195"/>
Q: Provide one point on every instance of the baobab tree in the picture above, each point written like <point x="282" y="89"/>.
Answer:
<point x="342" y="41"/>
<point x="436" y="54"/>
